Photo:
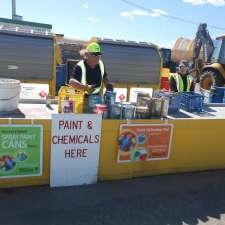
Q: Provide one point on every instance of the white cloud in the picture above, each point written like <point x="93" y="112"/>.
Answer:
<point x="195" y="2"/>
<point x="127" y="14"/>
<point x="202" y="2"/>
<point x="85" y="6"/>
<point x="92" y="19"/>
<point x="216" y="2"/>
<point x="138" y="12"/>
<point x="135" y="12"/>
<point x="158" y="12"/>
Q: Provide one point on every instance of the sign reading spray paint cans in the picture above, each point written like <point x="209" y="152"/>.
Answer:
<point x="21" y="150"/>
<point x="142" y="142"/>
<point x="75" y="149"/>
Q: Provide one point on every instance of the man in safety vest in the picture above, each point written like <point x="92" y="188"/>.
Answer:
<point x="90" y="74"/>
<point x="181" y="81"/>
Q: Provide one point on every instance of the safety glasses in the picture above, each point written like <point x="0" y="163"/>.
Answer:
<point x="95" y="53"/>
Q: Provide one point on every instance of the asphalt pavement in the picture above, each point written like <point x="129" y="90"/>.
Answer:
<point x="197" y="198"/>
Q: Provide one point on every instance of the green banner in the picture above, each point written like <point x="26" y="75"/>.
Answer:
<point x="20" y="150"/>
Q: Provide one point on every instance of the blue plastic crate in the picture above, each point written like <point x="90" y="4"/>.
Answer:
<point x="220" y="91"/>
<point x="192" y="102"/>
<point x="174" y="103"/>
<point x="215" y="99"/>
<point x="174" y="100"/>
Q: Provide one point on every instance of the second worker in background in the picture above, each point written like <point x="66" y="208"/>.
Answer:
<point x="182" y="80"/>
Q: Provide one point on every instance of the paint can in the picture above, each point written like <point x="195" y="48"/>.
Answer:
<point x="143" y="99"/>
<point x="115" y="111"/>
<point x="109" y="97"/>
<point x="101" y="109"/>
<point x="142" y="112"/>
<point x="128" y="111"/>
<point x="93" y="100"/>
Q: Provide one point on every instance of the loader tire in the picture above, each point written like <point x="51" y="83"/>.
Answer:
<point x="211" y="78"/>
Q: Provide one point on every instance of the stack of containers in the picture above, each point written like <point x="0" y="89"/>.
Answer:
<point x="93" y="100"/>
<point x="164" y="84"/>
<point x="127" y="111"/>
<point x="158" y="107"/>
<point x="142" y="108"/>
<point x="117" y="110"/>
<point x="148" y="107"/>
<point x="114" y="109"/>
<point x="101" y="109"/>
<point x="174" y="100"/>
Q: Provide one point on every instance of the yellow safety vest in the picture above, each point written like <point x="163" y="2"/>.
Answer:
<point x="179" y="81"/>
<point x="84" y="75"/>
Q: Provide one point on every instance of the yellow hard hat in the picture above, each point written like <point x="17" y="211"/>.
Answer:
<point x="94" y="48"/>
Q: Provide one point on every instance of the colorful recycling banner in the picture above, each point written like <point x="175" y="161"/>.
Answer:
<point x="21" y="149"/>
<point x="143" y="142"/>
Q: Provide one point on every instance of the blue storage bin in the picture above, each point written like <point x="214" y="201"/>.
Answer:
<point x="215" y="99"/>
<point x="174" y="103"/>
<point x="60" y="75"/>
<point x="220" y="91"/>
<point x="192" y="102"/>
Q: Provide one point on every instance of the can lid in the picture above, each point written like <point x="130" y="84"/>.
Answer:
<point x="101" y="106"/>
<point x="110" y="92"/>
<point x="142" y="109"/>
<point x="128" y="105"/>
<point x="116" y="104"/>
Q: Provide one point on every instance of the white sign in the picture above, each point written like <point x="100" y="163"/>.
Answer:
<point x="121" y="94"/>
<point x="34" y="91"/>
<point x="134" y="92"/>
<point x="75" y="145"/>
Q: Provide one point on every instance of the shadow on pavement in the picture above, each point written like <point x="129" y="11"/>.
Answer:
<point x="159" y="200"/>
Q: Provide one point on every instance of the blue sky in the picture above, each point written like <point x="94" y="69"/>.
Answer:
<point x="83" y="19"/>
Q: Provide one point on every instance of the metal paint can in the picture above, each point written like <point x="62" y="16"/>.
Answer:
<point x="128" y="111"/>
<point x="93" y="100"/>
<point x="110" y="98"/>
<point x="101" y="109"/>
<point x="115" y="111"/>
<point x="155" y="107"/>
<point x="142" y="112"/>
<point x="143" y="99"/>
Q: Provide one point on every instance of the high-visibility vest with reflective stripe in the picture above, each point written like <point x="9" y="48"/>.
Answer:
<point x="179" y="81"/>
<point x="84" y="75"/>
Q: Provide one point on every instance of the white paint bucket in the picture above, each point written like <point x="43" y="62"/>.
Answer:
<point x="9" y="94"/>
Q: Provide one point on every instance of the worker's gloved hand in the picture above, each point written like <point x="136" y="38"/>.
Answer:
<point x="89" y="88"/>
<point x="109" y="87"/>
<point x="197" y="80"/>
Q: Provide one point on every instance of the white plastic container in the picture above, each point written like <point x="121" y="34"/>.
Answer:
<point x="9" y="94"/>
